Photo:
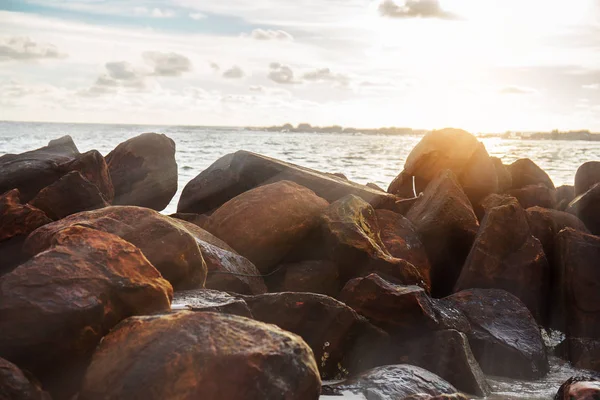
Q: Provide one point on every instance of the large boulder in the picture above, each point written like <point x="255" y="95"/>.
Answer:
<point x="69" y="195"/>
<point x="313" y="276"/>
<point x="393" y="382"/>
<point x="92" y="166"/>
<point x="505" y="255"/>
<point x="55" y="308"/>
<point x="535" y="195"/>
<point x="587" y="207"/>
<point x="238" y="172"/>
<point x="16" y="385"/>
<point x="503" y="174"/>
<point x="355" y="243"/>
<point x="587" y="175"/>
<point x="583" y="353"/>
<point x="444" y="219"/>
<point x="17" y="220"/>
<point x="504" y="336"/>
<point x="525" y="172"/>
<point x="144" y="171"/>
<point x="200" y="355"/>
<point x="264" y="223"/>
<point x="564" y="196"/>
<point x="169" y="246"/>
<point x="579" y="388"/>
<point x="210" y="300"/>
<point x="340" y="339"/>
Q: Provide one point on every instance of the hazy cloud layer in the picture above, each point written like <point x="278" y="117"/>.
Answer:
<point x="234" y="72"/>
<point x="325" y="75"/>
<point x="154" y="12"/>
<point x="268" y="34"/>
<point x="414" y="9"/>
<point x="24" y="48"/>
<point x="517" y="90"/>
<point x="167" y="64"/>
<point x="281" y="74"/>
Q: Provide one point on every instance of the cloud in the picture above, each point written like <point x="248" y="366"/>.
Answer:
<point x="325" y="75"/>
<point x="414" y="9"/>
<point x="281" y="74"/>
<point x="517" y="90"/>
<point x="268" y="34"/>
<point x="121" y="71"/>
<point x="197" y="16"/>
<point x="593" y="86"/>
<point x="214" y="66"/>
<point x="167" y="64"/>
<point x="23" y="49"/>
<point x="154" y="12"/>
<point x="234" y="72"/>
<point x="119" y="75"/>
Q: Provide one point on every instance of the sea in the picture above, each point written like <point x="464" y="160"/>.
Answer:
<point x="363" y="158"/>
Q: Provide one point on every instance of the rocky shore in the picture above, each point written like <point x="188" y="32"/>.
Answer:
<point x="272" y="278"/>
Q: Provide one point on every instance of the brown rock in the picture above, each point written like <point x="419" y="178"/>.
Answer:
<point x="492" y="201"/>
<point x="582" y="353"/>
<point x="337" y="335"/>
<point x="313" y="276"/>
<point x="375" y="186"/>
<point x="15" y="385"/>
<point x="69" y="195"/>
<point x="564" y="195"/>
<point x="263" y="224"/>
<point x="579" y="388"/>
<point x="503" y="174"/>
<point x="445" y="221"/>
<point x="353" y="237"/>
<point x="168" y="245"/>
<point x="587" y="175"/>
<point x="406" y="186"/>
<point x="505" y="255"/>
<point x="525" y="172"/>
<point x="55" y="308"/>
<point x="504" y="336"/>
<point x="587" y="208"/>
<point x="238" y="172"/>
<point x="196" y="219"/>
<point x="144" y="171"/>
<point x="92" y="167"/>
<point x="210" y="300"/>
<point x="245" y="360"/>
<point x="201" y="235"/>
<point x="538" y="195"/>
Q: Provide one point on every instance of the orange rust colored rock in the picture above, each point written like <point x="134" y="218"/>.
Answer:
<point x="201" y="355"/>
<point x="18" y="219"/>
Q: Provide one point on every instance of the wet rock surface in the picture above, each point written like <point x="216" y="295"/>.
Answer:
<point x="314" y="276"/>
<point x="579" y="388"/>
<point x="525" y="172"/>
<point x="16" y="385"/>
<point x="210" y="300"/>
<point x="586" y="208"/>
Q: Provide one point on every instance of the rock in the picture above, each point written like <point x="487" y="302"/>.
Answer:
<point x="538" y="195"/>
<point x="445" y="221"/>
<point x="340" y="339"/>
<point x="394" y="382"/>
<point x="406" y="186"/>
<point x="505" y="255"/>
<point x="525" y="172"/>
<point x="492" y="201"/>
<point x="144" y="171"/>
<point x="196" y="219"/>
<point x="210" y="300"/>
<point x="455" y="396"/>
<point x="447" y="353"/>
<point x="546" y="223"/>
<point x="313" y="276"/>
<point x="375" y="186"/>
<point x="579" y="388"/>
<point x="92" y="167"/>
<point x="586" y="207"/>
<point x="201" y="235"/>
<point x="401" y="310"/>
<point x="167" y="244"/>
<point x="246" y="359"/>
<point x="15" y="385"/>
<point x="34" y="170"/>
<point x="564" y="195"/>
<point x="583" y="353"/>
<point x="55" y="308"/>
<point x="503" y="174"/>
<point x="69" y="195"/>
<point x="577" y="256"/>
<point x="238" y="172"/>
<point x="587" y="175"/>
<point x="354" y="240"/>
<point x="340" y="175"/>
<point x="17" y="220"/>
<point x="264" y="223"/>
<point x="504" y="336"/>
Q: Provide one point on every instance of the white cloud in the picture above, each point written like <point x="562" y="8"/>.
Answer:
<point x="24" y="49"/>
<point x="281" y="74"/>
<point x="325" y="75"/>
<point x="517" y="90"/>
<point x="167" y="64"/>
<point x="234" y="72"/>
<point x="414" y="9"/>
<point x="269" y="34"/>
<point x="154" y="12"/>
<point x="197" y="16"/>
<point x="592" y="86"/>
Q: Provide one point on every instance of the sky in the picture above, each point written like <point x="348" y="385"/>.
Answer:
<point x="481" y="65"/>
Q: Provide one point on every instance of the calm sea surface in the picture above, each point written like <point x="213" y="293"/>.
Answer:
<point x="362" y="158"/>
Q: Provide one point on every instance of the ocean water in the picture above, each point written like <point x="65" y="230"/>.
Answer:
<point x="362" y="158"/>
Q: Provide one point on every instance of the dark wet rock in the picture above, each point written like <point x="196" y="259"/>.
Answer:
<point x="210" y="300"/>
<point x="92" y="166"/>
<point x="355" y="242"/>
<point x="263" y="224"/>
<point x="587" y="175"/>
<point x="55" y="308"/>
<point x="340" y="339"/>
<point x="564" y="195"/>
<point x="492" y="201"/>
<point x="587" y="208"/>
<point x="394" y="382"/>
<point x="503" y="174"/>
<point x="313" y="276"/>
<point x="525" y="172"/>
<point x="69" y="195"/>
<point x="445" y="221"/>
<point x="170" y="247"/>
<point x="144" y="171"/>
<point x="448" y="354"/>
<point x="538" y="195"/>
<point x="583" y="353"/>
<point x="34" y="170"/>
<point x="546" y="223"/>
<point x="246" y="359"/>
<point x="579" y="388"/>
<point x="504" y="336"/>
<point x="505" y="255"/>
<point x="196" y="219"/>
<point x="238" y="172"/>
<point x="577" y="256"/>
<point x="406" y="186"/>
<point x="16" y="385"/>
<point x="17" y="220"/>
